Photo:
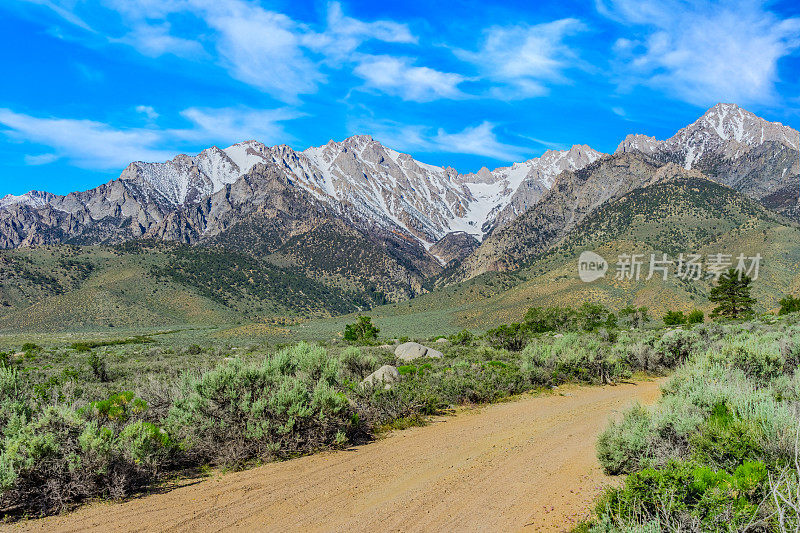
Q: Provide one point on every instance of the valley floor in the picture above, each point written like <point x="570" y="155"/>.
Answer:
<point x="525" y="464"/>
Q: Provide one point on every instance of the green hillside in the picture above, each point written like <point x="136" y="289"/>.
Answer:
<point x="144" y="284"/>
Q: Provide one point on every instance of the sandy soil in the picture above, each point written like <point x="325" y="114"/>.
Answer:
<point x="528" y="464"/>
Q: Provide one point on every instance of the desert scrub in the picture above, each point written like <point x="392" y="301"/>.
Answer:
<point x="58" y="459"/>
<point x="68" y="436"/>
<point x="688" y="497"/>
<point x="725" y="428"/>
<point x="573" y="357"/>
<point x="291" y="403"/>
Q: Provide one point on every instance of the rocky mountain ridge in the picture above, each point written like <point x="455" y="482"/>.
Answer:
<point x="415" y="218"/>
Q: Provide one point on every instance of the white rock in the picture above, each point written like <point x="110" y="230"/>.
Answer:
<point x="413" y="350"/>
<point x="387" y="375"/>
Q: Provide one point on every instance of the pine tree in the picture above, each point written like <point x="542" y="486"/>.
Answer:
<point x="732" y="294"/>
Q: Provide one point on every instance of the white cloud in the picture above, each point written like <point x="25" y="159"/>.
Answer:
<point x="476" y="140"/>
<point x="41" y="159"/>
<point x="154" y="40"/>
<point x="265" y="49"/>
<point x="97" y="145"/>
<point x="231" y="125"/>
<point x="87" y="143"/>
<point x="398" y="76"/>
<point x="703" y="52"/>
<point x="64" y="12"/>
<point x="550" y="145"/>
<point x="147" y="111"/>
<point x="343" y="34"/>
<point x="262" y="48"/>
<point x="526" y="58"/>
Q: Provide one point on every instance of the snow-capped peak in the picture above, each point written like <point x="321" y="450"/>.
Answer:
<point x="385" y="185"/>
<point x="31" y="198"/>
<point x="725" y="129"/>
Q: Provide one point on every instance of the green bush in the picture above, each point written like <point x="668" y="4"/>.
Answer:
<point x="789" y="304"/>
<point x="757" y="359"/>
<point x="676" y="346"/>
<point x="118" y="407"/>
<point x="356" y="365"/>
<point x="622" y="447"/>
<point x="689" y="497"/>
<point x="363" y="331"/>
<point x="462" y="338"/>
<point x="588" y="317"/>
<point x="59" y="459"/>
<point x="97" y="363"/>
<point x="726" y="421"/>
<point x="724" y="441"/>
<point x="675" y="318"/>
<point x="290" y="404"/>
<point x="194" y="349"/>
<point x="511" y="337"/>
<point x="695" y="317"/>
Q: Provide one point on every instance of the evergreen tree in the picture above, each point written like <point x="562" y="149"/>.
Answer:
<point x="732" y="294"/>
<point x="790" y="304"/>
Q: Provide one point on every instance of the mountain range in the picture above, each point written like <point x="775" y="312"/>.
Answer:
<point x="358" y="217"/>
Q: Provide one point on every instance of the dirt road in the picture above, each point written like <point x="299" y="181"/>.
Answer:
<point x="527" y="464"/>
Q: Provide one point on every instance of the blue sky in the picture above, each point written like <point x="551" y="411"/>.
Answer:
<point x="89" y="86"/>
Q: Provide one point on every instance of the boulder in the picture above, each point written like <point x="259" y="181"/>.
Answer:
<point x="413" y="350"/>
<point x="442" y="340"/>
<point x="386" y="375"/>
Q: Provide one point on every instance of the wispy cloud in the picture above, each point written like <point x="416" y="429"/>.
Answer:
<point x="262" y="48"/>
<point x="526" y="59"/>
<point x="155" y="40"/>
<point x="230" y="125"/>
<point x="64" y="12"/>
<point x="41" y="159"/>
<point x="475" y="140"/>
<point x="702" y="52"/>
<point x="86" y="143"/>
<point x="97" y="145"/>
<point x="550" y="145"/>
<point x="400" y="77"/>
<point x="343" y="34"/>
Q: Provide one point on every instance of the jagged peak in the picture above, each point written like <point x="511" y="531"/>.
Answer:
<point x="32" y="198"/>
<point x="362" y="138"/>
<point x="638" y="142"/>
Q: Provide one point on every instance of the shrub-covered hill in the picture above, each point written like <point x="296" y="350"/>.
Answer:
<point x="142" y="284"/>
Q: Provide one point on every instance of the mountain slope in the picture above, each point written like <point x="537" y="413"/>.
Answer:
<point x="379" y="184"/>
<point x="573" y="196"/>
<point x="734" y="147"/>
<point x="681" y="215"/>
<point x="149" y="284"/>
<point x="354" y="223"/>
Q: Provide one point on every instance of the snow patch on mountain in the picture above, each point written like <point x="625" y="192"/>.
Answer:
<point x="32" y="199"/>
<point x="725" y="129"/>
<point x="391" y="187"/>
